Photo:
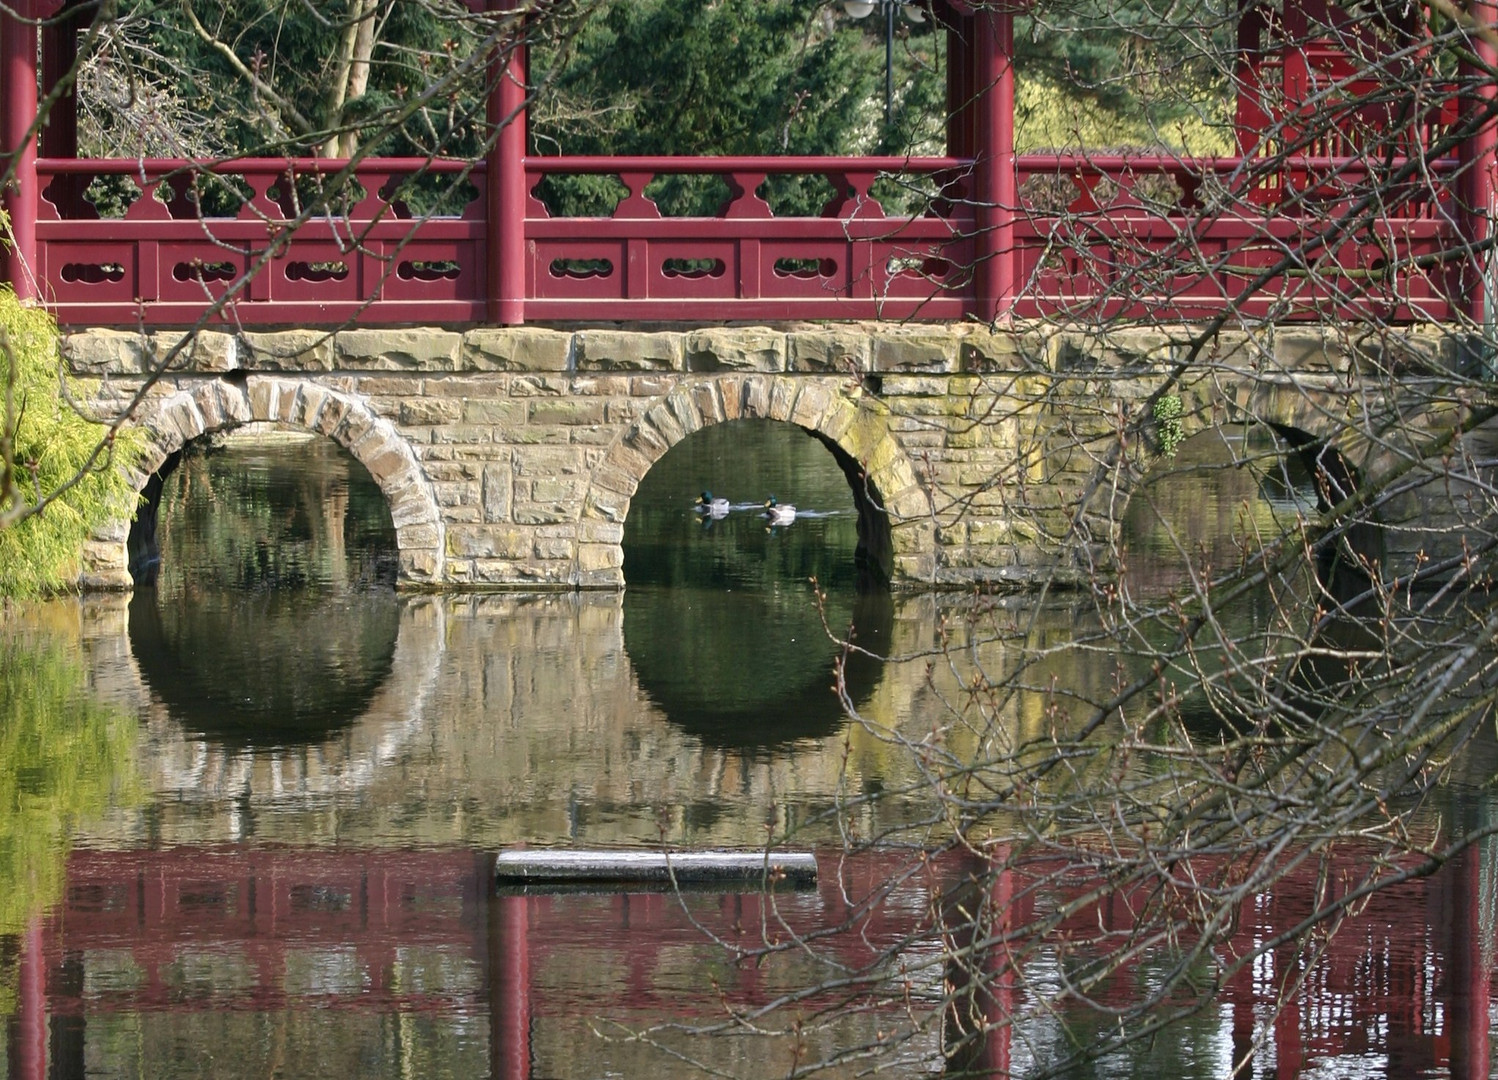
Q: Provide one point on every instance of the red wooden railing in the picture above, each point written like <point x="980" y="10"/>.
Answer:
<point x="1179" y="238"/>
<point x="991" y="235"/>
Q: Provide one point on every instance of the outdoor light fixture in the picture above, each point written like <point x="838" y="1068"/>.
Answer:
<point x="859" y="9"/>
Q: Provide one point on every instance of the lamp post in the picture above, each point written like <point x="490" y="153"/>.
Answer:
<point x="862" y="9"/>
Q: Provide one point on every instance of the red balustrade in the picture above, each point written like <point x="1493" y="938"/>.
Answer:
<point x="401" y="241"/>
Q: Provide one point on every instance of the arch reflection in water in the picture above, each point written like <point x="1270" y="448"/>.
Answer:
<point x="269" y="623"/>
<point x="753" y="669"/>
<point x="278" y="668"/>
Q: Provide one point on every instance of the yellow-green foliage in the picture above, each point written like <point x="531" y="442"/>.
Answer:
<point x="41" y="552"/>
<point x="66" y="758"/>
<point x="1051" y="117"/>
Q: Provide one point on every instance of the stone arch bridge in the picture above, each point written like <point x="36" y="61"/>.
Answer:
<point x="509" y="456"/>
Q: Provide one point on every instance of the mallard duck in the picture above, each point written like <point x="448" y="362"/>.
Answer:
<point x="710" y="506"/>
<point x="779" y="513"/>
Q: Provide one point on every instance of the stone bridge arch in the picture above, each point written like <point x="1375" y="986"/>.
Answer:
<point x="895" y="526"/>
<point x="175" y="419"/>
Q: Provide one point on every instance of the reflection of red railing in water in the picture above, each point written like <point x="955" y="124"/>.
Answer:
<point x="1381" y="985"/>
<point x="1104" y="235"/>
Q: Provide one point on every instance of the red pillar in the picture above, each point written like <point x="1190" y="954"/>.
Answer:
<point x="997" y="186"/>
<point x="1478" y="156"/>
<point x="505" y="185"/>
<point x="59" y="54"/>
<point x="18" y="102"/>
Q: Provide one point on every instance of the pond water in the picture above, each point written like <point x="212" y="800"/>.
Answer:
<point x="247" y="815"/>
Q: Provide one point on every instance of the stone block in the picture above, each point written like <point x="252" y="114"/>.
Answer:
<point x="207" y="351"/>
<point x="556" y="491"/>
<point x="497" y="492"/>
<point x="620" y="350"/>
<point x="567" y="411"/>
<point x="516" y="348"/>
<point x="735" y="349"/>
<point x="429" y="412"/>
<point x="553" y="549"/>
<point x="595" y="557"/>
<point x="897" y="349"/>
<point x="834" y="349"/>
<point x="500" y="412"/>
<point x="486" y="541"/>
<point x="542" y="461"/>
<point x="108" y="352"/>
<point x="813" y="404"/>
<point x="415" y="348"/>
<point x="287" y="350"/>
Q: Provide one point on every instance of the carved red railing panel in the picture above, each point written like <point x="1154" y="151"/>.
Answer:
<point x="854" y="261"/>
<point x="161" y="261"/>
<point x="1186" y="239"/>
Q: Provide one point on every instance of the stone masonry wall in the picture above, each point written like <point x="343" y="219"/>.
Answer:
<point x="509" y="455"/>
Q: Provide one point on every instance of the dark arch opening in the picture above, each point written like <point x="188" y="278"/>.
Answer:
<point x="142" y="549"/>
<point x="841" y="530"/>
<point x="1346" y="560"/>
<point x="721" y="624"/>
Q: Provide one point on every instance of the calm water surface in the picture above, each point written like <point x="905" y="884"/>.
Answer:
<point x="245" y="816"/>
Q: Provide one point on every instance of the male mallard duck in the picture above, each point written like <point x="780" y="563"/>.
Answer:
<point x="779" y="513"/>
<point x="710" y="506"/>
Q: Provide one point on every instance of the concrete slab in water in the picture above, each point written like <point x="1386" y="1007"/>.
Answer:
<point x="655" y="867"/>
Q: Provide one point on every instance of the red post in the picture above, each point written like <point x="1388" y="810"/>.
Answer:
<point x="1478" y="156"/>
<point x="506" y="194"/>
<point x="18" y="102"/>
<point x="59" y="54"/>
<point x="997" y="186"/>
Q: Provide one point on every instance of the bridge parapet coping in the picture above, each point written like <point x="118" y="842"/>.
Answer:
<point x="509" y="456"/>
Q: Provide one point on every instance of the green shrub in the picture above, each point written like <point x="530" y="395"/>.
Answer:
<point x="52" y="444"/>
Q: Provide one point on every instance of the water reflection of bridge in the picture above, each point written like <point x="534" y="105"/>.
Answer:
<point x="190" y="930"/>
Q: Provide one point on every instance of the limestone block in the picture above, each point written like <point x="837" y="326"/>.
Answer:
<point x="429" y="412"/>
<point x="496" y="492"/>
<point x="542" y="515"/>
<point x="814" y="403"/>
<point x="543" y="461"/>
<point x="618" y="350"/>
<point x="650" y="386"/>
<point x="556" y="491"/>
<point x="833" y="349"/>
<point x="600" y="532"/>
<point x="417" y="536"/>
<point x="1310" y="349"/>
<point x="204" y="351"/>
<point x="706" y="403"/>
<point x="735" y="349"/>
<point x="419" y="566"/>
<point x="486" y="541"/>
<point x="540" y="386"/>
<point x="418" y="348"/>
<point x="1003" y="349"/>
<point x="500" y="412"/>
<point x="783" y="398"/>
<point x="516" y="348"/>
<point x="567" y="411"/>
<point x="593" y="557"/>
<point x="553" y="549"/>
<point x="287" y="350"/>
<point x="108" y="352"/>
<point x="914" y="348"/>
